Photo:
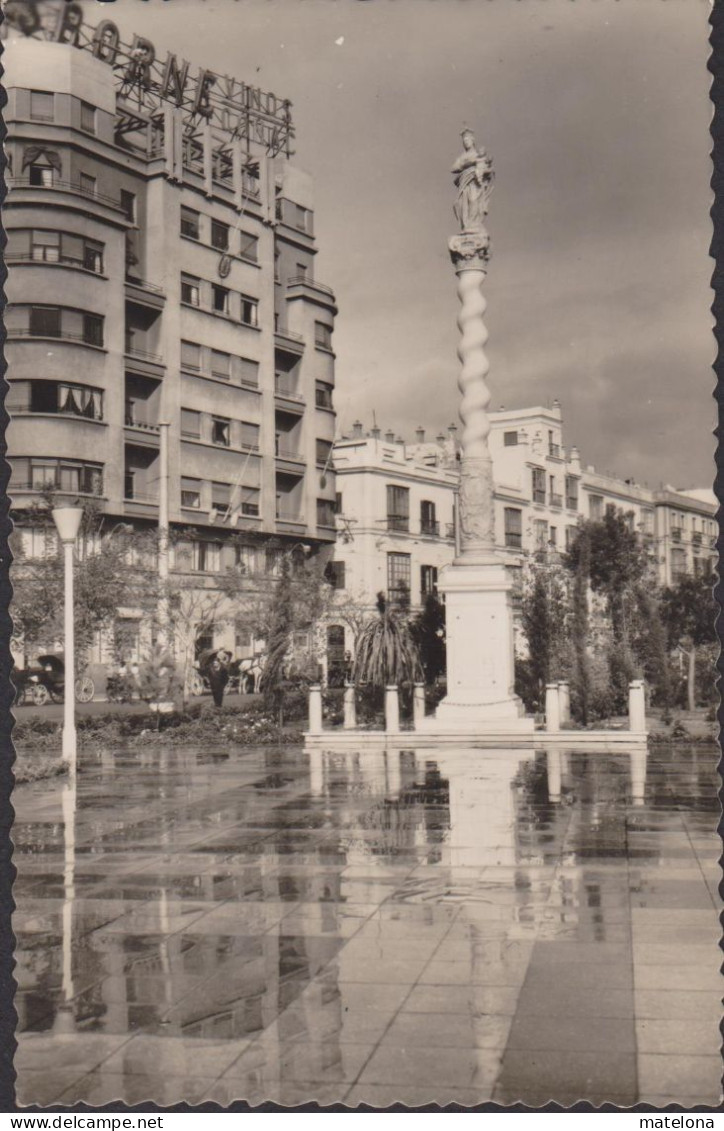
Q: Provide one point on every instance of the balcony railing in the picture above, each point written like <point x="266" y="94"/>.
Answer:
<point x="143" y="355"/>
<point x="676" y="534"/>
<point x="539" y="495"/>
<point x="290" y="335"/>
<point x="399" y="522"/>
<point x="554" y="450"/>
<point x="572" y="502"/>
<point x="89" y="413"/>
<point x="283" y="390"/>
<point x="68" y="186"/>
<point x="290" y="516"/>
<point x="430" y="527"/>
<point x="56" y="260"/>
<point x="288" y="453"/>
<point x="143" y="425"/>
<point x="696" y="538"/>
<point x="141" y="497"/>
<point x="298" y="280"/>
<point x="449" y="529"/>
<point x="60" y="335"/>
<point x="556" y="500"/>
<point x="513" y="540"/>
<point x="144" y="285"/>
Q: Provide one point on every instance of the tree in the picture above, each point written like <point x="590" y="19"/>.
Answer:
<point x="386" y="651"/>
<point x="689" y="613"/>
<point x="278" y="636"/>
<point x="428" y="632"/>
<point x="617" y="565"/>
<point x="580" y="564"/>
<point x="545" y="616"/>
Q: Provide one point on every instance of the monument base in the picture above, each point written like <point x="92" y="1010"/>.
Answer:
<point x="480" y="697"/>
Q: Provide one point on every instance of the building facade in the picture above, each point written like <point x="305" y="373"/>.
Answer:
<point x="396" y="509"/>
<point x="161" y="269"/>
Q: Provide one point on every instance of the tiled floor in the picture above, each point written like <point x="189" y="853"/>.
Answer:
<point x="270" y="925"/>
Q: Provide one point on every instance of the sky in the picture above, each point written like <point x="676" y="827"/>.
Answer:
<point x="596" y="115"/>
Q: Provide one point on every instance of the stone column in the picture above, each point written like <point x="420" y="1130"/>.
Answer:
<point x="553" y="708"/>
<point x="350" y="708"/>
<point x="636" y="707"/>
<point x="480" y="696"/>
<point x="315" y="709"/>
<point x="392" y="709"/>
<point x="564" y="698"/>
<point x="418" y="703"/>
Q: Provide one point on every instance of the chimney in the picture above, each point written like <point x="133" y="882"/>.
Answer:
<point x="399" y="440"/>
<point x="357" y="429"/>
<point x="375" y="432"/>
<point x="390" y="437"/>
<point x="420" y="433"/>
<point x="440" y="437"/>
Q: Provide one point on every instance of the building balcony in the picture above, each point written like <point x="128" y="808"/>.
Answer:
<point x="289" y="398"/>
<point x="290" y="461"/>
<point x="572" y="502"/>
<point x="554" y="450"/>
<point x="539" y="496"/>
<point x="92" y="413"/>
<point x="696" y="538"/>
<point x="556" y="500"/>
<point x="299" y="286"/>
<point x="141" y="433"/>
<point x="141" y="504"/>
<point x="78" y="338"/>
<point x="290" y="521"/>
<point x="431" y="529"/>
<point x="400" y="523"/>
<point x="450" y="531"/>
<point x="288" y="341"/>
<point x="144" y="293"/>
<point x="676" y="534"/>
<point x="144" y="362"/>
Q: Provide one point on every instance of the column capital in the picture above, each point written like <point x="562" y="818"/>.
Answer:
<point x="470" y="251"/>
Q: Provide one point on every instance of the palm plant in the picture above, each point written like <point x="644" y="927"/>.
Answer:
<point x="386" y="651"/>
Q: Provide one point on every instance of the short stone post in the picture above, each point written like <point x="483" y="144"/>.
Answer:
<point x="553" y="708"/>
<point x="392" y="709"/>
<point x="315" y="709"/>
<point x="418" y="704"/>
<point x="350" y="708"/>
<point x="636" y="706"/>
<point x="564" y="700"/>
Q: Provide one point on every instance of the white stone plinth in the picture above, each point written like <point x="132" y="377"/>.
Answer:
<point x="392" y="709"/>
<point x="636" y="706"/>
<point x="553" y="708"/>
<point x="350" y="708"/>
<point x="564" y="701"/>
<point x="315" y="709"/>
<point x="479" y="633"/>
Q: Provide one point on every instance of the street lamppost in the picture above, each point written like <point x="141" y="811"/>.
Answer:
<point x="67" y="522"/>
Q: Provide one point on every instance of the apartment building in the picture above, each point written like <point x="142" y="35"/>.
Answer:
<point x="161" y="269"/>
<point x="396" y="509"/>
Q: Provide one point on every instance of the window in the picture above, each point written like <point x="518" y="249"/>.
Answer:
<point x="338" y="503"/>
<point x="189" y="223"/>
<point x="510" y="439"/>
<point x="87" y="117"/>
<point x="323" y="395"/>
<point x="41" y="175"/>
<point x="249" y="247"/>
<point x="190" y="356"/>
<point x="301" y="272"/>
<point x="595" y="507"/>
<point x="45" y="321"/>
<point x="67" y="475"/>
<point x="539" y="485"/>
<point x="678" y="563"/>
<point x="42" y="108"/>
<point x="325" y="512"/>
<point x="190" y="490"/>
<point x="335" y="574"/>
<point x="428" y="581"/>
<point x="302" y="218"/>
<point x="220" y="431"/>
<point x="323" y="452"/>
<point x="93" y="329"/>
<point x="221" y="497"/>
<point x="219" y="235"/>
<point x="38" y="542"/>
<point x="398" y="508"/>
<point x="220" y="364"/>
<point x="190" y="290"/>
<point x="553" y="535"/>
<point x="250" y="559"/>
<point x="647" y="521"/>
<point x="571" y="493"/>
<point x="570" y="535"/>
<point x="190" y="424"/>
<point x="128" y="205"/>
<point x="250" y="436"/>
<point x="45" y="246"/>
<point x="610" y="510"/>
<point x="399" y="572"/>
<point x="92" y="255"/>
<point x="513" y="520"/>
<point x="206" y="557"/>
<point x="322" y="335"/>
<point x="540" y="534"/>
<point x="249" y="311"/>
<point x="428" y="523"/>
<point x="249" y="372"/>
<point x="219" y="299"/>
<point x="250" y="502"/>
<point x="87" y="184"/>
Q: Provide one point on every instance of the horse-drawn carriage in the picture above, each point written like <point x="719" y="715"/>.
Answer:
<point x="244" y="674"/>
<point x="44" y="681"/>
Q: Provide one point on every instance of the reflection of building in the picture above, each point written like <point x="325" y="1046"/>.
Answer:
<point x="161" y="254"/>
<point x="396" y="506"/>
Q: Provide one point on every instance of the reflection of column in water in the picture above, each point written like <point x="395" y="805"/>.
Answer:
<point x="482" y="805"/>
<point x="316" y="773"/>
<point x="394" y="779"/>
<point x="553" y="768"/>
<point x="638" y="775"/>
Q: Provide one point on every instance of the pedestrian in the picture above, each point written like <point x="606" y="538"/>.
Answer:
<point x="218" y="676"/>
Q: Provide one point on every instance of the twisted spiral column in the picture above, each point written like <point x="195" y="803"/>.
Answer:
<point x="470" y="255"/>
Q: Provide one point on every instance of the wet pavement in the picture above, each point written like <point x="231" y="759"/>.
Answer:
<point x="467" y="927"/>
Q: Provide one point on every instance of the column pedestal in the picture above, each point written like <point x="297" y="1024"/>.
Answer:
<point x="480" y="698"/>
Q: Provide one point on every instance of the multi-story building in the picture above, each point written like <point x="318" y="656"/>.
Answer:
<point x="396" y="509"/>
<point x="161" y="252"/>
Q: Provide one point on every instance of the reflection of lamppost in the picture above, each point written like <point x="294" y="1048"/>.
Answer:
<point x="67" y="522"/>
